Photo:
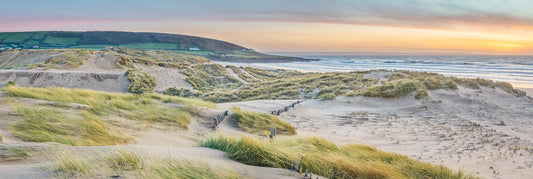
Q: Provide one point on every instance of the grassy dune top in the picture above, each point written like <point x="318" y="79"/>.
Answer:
<point x="73" y="58"/>
<point x="74" y="116"/>
<point x="324" y="158"/>
<point x="218" y="85"/>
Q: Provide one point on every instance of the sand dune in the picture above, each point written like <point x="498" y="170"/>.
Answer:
<point x="461" y="129"/>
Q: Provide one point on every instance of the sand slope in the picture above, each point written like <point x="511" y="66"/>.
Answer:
<point x="107" y="81"/>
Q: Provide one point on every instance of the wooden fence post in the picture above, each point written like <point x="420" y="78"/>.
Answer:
<point x="272" y="132"/>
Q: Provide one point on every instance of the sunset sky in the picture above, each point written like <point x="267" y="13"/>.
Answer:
<point x="343" y="26"/>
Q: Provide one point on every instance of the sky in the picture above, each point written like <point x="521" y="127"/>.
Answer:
<point x="494" y="27"/>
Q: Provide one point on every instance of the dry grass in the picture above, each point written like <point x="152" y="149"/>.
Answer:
<point x="210" y="77"/>
<point x="69" y="165"/>
<point x="398" y="88"/>
<point x="66" y="60"/>
<point x="189" y="170"/>
<point x="128" y="163"/>
<point x="124" y="160"/>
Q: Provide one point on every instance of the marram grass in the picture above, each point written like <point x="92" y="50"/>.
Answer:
<point x="42" y="124"/>
<point x="260" y="123"/>
<point x="188" y="170"/>
<point x="324" y="158"/>
<point x="128" y="163"/>
<point x="144" y="107"/>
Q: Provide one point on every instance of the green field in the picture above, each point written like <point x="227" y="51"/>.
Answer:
<point x="38" y="35"/>
<point x="199" y="52"/>
<point x="33" y="42"/>
<point x="4" y="35"/>
<point x="151" y="46"/>
<point x="18" y="37"/>
<point x="61" y="41"/>
<point x="93" y="47"/>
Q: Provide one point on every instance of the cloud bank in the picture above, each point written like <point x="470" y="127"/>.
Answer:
<point x="403" y="13"/>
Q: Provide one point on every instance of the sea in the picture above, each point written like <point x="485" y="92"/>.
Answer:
<point x="517" y="70"/>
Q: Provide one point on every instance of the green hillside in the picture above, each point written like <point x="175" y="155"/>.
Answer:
<point x="97" y="40"/>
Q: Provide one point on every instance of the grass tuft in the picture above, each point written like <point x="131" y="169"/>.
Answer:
<point x="128" y="163"/>
<point x="69" y="165"/>
<point x="124" y="160"/>
<point x="41" y="124"/>
<point x="186" y="169"/>
<point x="394" y="89"/>
<point x="260" y="123"/>
<point x="324" y="158"/>
<point x="140" y="82"/>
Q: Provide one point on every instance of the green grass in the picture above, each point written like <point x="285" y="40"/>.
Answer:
<point x="39" y="36"/>
<point x="93" y="47"/>
<point x="260" y="123"/>
<point x="33" y="42"/>
<point x="44" y="124"/>
<point x="199" y="52"/>
<point x="167" y="46"/>
<point x="146" y="107"/>
<point x="61" y="41"/>
<point x="36" y="38"/>
<point x="18" y="37"/>
<point x="324" y="158"/>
